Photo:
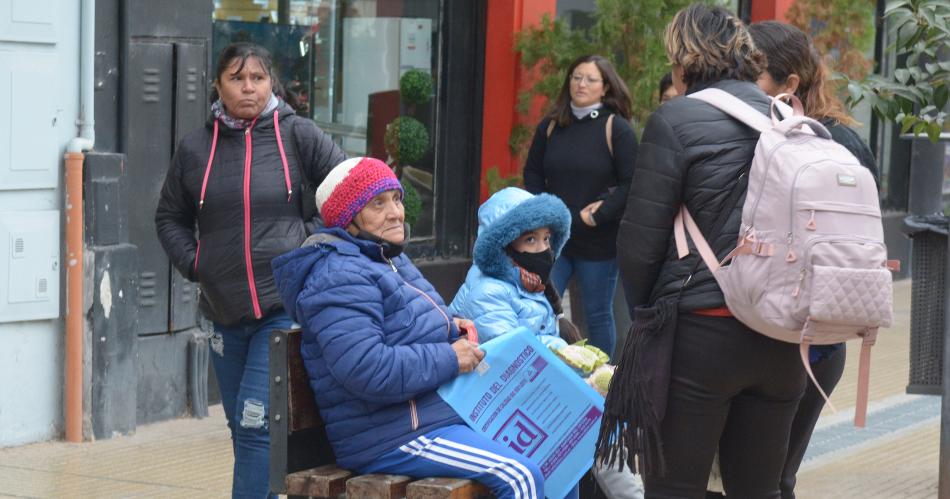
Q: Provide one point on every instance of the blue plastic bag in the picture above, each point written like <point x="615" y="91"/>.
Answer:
<point x="525" y="398"/>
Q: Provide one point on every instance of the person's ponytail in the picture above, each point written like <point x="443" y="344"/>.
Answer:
<point x="818" y="94"/>
<point x="568" y="331"/>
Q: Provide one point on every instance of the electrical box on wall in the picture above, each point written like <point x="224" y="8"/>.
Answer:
<point x="29" y="265"/>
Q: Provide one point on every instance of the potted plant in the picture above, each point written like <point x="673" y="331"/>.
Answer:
<point x="407" y="142"/>
<point x="915" y="95"/>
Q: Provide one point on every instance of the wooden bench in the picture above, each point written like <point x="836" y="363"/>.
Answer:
<point x="301" y="460"/>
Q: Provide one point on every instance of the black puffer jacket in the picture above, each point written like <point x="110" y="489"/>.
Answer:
<point x="690" y="153"/>
<point x="247" y="218"/>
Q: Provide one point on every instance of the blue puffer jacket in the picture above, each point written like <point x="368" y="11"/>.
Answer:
<point x="376" y="343"/>
<point x="492" y="295"/>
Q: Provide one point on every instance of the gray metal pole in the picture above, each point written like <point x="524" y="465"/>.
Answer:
<point x="944" y="470"/>
<point x="926" y="175"/>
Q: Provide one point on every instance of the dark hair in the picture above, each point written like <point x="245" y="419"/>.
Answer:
<point x="712" y="44"/>
<point x="617" y="97"/>
<point x="567" y="330"/>
<point x="665" y="82"/>
<point x="790" y="51"/>
<point x="243" y="51"/>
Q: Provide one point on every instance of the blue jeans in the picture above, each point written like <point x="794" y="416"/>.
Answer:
<point x="239" y="354"/>
<point x="597" y="280"/>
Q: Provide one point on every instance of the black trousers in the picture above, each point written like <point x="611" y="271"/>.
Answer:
<point x="733" y="389"/>
<point x="828" y="373"/>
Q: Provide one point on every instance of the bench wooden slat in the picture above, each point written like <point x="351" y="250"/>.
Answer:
<point x="377" y="486"/>
<point x="302" y="406"/>
<point x="446" y="488"/>
<point x="299" y="442"/>
<point x="322" y="481"/>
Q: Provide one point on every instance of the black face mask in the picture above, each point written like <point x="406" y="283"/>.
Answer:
<point x="536" y="263"/>
<point x="390" y="249"/>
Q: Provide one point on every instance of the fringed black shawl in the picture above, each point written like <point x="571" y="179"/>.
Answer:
<point x="636" y="399"/>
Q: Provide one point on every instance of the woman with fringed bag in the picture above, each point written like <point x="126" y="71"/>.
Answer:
<point x="692" y="378"/>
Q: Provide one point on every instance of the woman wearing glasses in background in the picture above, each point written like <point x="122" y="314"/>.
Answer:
<point x="583" y="152"/>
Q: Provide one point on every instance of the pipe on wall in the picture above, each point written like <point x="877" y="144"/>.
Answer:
<point x="74" y="224"/>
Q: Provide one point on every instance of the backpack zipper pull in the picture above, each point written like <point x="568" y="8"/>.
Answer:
<point x="790" y="256"/>
<point x="811" y="225"/>
<point x="801" y="280"/>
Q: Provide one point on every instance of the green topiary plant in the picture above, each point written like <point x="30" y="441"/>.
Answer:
<point x="411" y="202"/>
<point x="407" y="140"/>
<point x="415" y="87"/>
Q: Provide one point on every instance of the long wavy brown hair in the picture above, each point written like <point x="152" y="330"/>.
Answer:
<point x="617" y="97"/>
<point x="790" y="51"/>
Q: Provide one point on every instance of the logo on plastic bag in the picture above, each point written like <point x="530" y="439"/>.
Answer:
<point x="521" y="434"/>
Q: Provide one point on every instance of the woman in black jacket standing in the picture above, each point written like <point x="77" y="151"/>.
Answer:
<point x="583" y="152"/>
<point x="692" y="377"/>
<point x="232" y="201"/>
<point x="795" y="67"/>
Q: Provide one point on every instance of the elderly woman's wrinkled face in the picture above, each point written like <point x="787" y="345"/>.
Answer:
<point x="244" y="93"/>
<point x="383" y="216"/>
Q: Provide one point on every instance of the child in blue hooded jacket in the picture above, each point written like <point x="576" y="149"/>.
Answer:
<point x="519" y="237"/>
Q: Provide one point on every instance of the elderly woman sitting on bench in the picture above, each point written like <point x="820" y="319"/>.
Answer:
<point x="378" y="342"/>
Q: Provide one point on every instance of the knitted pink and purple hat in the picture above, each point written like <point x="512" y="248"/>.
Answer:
<point x="350" y="185"/>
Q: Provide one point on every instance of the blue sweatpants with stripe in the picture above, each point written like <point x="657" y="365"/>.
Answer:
<point x="457" y="451"/>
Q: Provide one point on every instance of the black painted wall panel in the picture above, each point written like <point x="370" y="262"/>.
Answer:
<point x="162" y="377"/>
<point x="148" y="98"/>
<point x="191" y="110"/>
<point x="114" y="342"/>
<point x="170" y="18"/>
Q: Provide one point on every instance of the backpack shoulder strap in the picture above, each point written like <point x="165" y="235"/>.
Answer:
<point x="733" y="106"/>
<point x="610" y="134"/>
<point x="684" y="223"/>
<point x="293" y="140"/>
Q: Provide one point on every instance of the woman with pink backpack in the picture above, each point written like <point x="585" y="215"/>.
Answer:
<point x="692" y="378"/>
<point x="795" y="67"/>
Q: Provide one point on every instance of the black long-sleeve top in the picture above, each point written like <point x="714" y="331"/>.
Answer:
<point x="576" y="165"/>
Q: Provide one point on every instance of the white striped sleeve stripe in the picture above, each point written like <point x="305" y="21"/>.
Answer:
<point x="436" y="453"/>
<point x="493" y="456"/>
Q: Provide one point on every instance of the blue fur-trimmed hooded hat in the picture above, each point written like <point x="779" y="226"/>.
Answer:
<point x="509" y="213"/>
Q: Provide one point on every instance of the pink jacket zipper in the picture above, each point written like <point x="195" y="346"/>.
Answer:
<point x="448" y="323"/>
<point x="248" y="262"/>
<point x="197" y="254"/>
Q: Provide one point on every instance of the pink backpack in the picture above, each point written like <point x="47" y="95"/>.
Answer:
<point x="810" y="266"/>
